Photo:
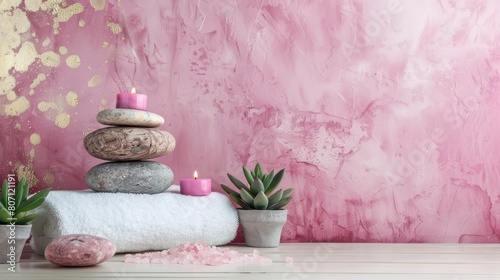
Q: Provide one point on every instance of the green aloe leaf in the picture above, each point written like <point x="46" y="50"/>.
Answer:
<point x="275" y="197"/>
<point x="247" y="197"/>
<point x="260" y="202"/>
<point x="228" y="190"/>
<point x="5" y="193"/>
<point x="248" y="175"/>
<point x="240" y="202"/>
<point x="275" y="182"/>
<point x="237" y="182"/>
<point x="280" y="204"/>
<point x="19" y="192"/>
<point x="256" y="187"/>
<point x="26" y="219"/>
<point x="267" y="181"/>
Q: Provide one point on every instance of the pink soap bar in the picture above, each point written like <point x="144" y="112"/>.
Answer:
<point x="134" y="101"/>
<point x="79" y="250"/>
<point x="196" y="187"/>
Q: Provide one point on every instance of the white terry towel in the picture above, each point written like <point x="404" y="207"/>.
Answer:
<point x="136" y="222"/>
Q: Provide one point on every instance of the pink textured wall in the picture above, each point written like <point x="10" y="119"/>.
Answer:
<point x="383" y="112"/>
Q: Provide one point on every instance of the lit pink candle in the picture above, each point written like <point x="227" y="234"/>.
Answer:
<point x="197" y="187"/>
<point x="131" y="100"/>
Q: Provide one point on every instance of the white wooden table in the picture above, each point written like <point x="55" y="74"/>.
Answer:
<point x="311" y="261"/>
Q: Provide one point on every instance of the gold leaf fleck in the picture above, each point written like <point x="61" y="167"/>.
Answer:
<point x="81" y="23"/>
<point x="63" y="50"/>
<point x="72" y="98"/>
<point x="115" y="27"/>
<point x="95" y="81"/>
<point x="73" y="61"/>
<point x="65" y="14"/>
<point x="98" y="5"/>
<point x="35" y="139"/>
<point x="50" y="59"/>
<point x="63" y="120"/>
<point x="32" y="5"/>
<point x="17" y="107"/>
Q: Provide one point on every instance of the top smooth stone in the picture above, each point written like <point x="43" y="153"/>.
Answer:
<point x="129" y="117"/>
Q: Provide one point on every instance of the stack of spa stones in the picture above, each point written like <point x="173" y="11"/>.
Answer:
<point x="127" y="144"/>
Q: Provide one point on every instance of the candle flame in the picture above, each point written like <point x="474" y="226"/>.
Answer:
<point x="133" y="90"/>
<point x="195" y="175"/>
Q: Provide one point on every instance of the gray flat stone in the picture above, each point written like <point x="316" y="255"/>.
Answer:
<point x="129" y="117"/>
<point x="128" y="143"/>
<point x="147" y="177"/>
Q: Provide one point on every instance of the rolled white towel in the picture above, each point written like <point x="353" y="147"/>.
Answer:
<point x="136" y="222"/>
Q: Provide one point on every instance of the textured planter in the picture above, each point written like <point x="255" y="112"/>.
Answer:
<point x="19" y="233"/>
<point x="262" y="228"/>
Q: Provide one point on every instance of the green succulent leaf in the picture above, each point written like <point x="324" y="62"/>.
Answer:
<point x="256" y="187"/>
<point x="247" y="197"/>
<point x="258" y="171"/>
<point x="5" y="193"/>
<point x="5" y="216"/>
<point x="26" y="219"/>
<point x="26" y="191"/>
<point x="240" y="202"/>
<point x="239" y="184"/>
<point x="33" y="202"/>
<point x="275" y="182"/>
<point x="228" y="190"/>
<point x="280" y="204"/>
<point x="19" y="192"/>
<point x="248" y="175"/>
<point x="267" y="181"/>
<point x="287" y="193"/>
<point x="260" y="202"/>
<point x="275" y="197"/>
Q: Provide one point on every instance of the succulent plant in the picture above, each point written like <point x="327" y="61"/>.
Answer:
<point x="258" y="194"/>
<point x="14" y="208"/>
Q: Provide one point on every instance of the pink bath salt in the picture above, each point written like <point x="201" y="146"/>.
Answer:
<point x="289" y="260"/>
<point x="197" y="253"/>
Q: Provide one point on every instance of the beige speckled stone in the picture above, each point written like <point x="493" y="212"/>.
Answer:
<point x="128" y="143"/>
<point x="129" y="117"/>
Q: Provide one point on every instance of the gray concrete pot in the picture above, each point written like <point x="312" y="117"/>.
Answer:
<point x="262" y="228"/>
<point x="19" y="233"/>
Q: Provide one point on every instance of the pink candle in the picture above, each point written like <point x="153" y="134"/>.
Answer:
<point x="197" y="187"/>
<point x="132" y="100"/>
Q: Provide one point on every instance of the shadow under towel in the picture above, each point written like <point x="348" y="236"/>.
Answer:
<point x="136" y="222"/>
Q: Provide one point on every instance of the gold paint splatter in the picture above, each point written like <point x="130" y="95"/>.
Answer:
<point x="49" y="178"/>
<point x="98" y="5"/>
<point x="72" y="98"/>
<point x="35" y="139"/>
<point x="81" y="23"/>
<point x="6" y="58"/>
<point x="104" y="101"/>
<point x="50" y="59"/>
<point x="46" y="42"/>
<point x="64" y="14"/>
<point x="32" y="5"/>
<point x="32" y="154"/>
<point x="63" y="50"/>
<point x="25" y="57"/>
<point x="7" y="84"/>
<point x="63" y="120"/>
<point x="17" y="107"/>
<point x="115" y="27"/>
<point x="45" y="106"/>
<point x="95" y="81"/>
<point x="73" y="61"/>
<point x="11" y="96"/>
<point x="105" y="44"/>
<point x="18" y="126"/>
<point x="27" y="173"/>
<point x="20" y="20"/>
